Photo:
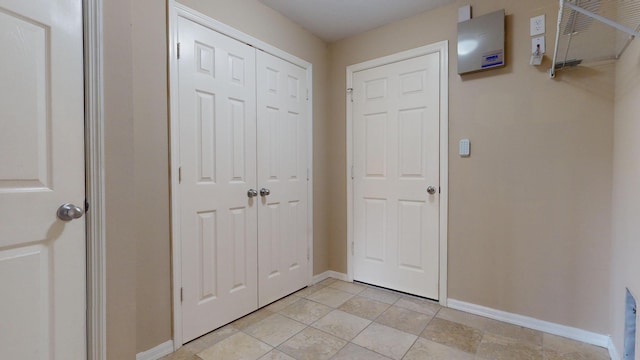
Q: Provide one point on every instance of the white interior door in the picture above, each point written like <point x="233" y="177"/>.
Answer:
<point x="282" y="170"/>
<point x="42" y="258"/>
<point x="396" y="158"/>
<point x="218" y="167"/>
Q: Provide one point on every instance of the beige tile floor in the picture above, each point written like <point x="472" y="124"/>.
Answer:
<point x="338" y="320"/>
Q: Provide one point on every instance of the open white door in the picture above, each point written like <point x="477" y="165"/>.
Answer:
<point x="396" y="115"/>
<point x="218" y="221"/>
<point x="282" y="177"/>
<point x="42" y="258"/>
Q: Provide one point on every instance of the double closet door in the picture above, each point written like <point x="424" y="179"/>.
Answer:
<point x="243" y="178"/>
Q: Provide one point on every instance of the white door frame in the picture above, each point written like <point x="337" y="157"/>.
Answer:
<point x="442" y="49"/>
<point x="95" y="195"/>
<point x="177" y="10"/>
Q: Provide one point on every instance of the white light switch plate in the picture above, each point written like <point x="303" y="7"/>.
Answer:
<point x="537" y="25"/>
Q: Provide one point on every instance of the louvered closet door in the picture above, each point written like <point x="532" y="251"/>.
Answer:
<point x="218" y="221"/>
<point x="282" y="169"/>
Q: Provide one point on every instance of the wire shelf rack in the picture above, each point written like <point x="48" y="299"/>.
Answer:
<point x="594" y="30"/>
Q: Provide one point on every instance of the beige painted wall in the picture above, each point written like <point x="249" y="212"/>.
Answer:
<point x="119" y="177"/>
<point x="529" y="216"/>
<point x="137" y="157"/>
<point x="626" y="194"/>
<point x="151" y="173"/>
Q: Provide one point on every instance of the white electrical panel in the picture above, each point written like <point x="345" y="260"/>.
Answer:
<point x="481" y="43"/>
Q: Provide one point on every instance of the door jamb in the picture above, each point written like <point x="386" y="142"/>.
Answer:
<point x="441" y="48"/>
<point x="94" y="178"/>
<point x="175" y="11"/>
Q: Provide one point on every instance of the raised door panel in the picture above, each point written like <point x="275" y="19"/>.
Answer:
<point x="282" y="169"/>
<point x="218" y="166"/>
<point x="396" y="151"/>
<point x="42" y="258"/>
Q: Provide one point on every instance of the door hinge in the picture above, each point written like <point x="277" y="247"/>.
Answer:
<point x="308" y="174"/>
<point x="178" y="51"/>
<point x="352" y="176"/>
<point x="180" y="175"/>
<point x="350" y="92"/>
<point x="307" y="94"/>
<point x="308" y="254"/>
<point x="353" y="248"/>
<point x="181" y="294"/>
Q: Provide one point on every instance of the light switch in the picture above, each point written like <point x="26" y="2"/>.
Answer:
<point x="537" y="25"/>
<point x="465" y="148"/>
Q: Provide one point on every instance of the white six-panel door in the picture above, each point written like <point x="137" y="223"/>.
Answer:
<point x="282" y="170"/>
<point x="396" y="158"/>
<point x="243" y="127"/>
<point x="218" y="166"/>
<point x="42" y="258"/>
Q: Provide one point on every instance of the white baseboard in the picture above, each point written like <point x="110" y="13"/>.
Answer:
<point x="536" y="324"/>
<point x="157" y="352"/>
<point x="613" y="352"/>
<point x="329" y="274"/>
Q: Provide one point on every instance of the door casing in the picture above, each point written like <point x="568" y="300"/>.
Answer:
<point x="442" y="49"/>
<point x="177" y="10"/>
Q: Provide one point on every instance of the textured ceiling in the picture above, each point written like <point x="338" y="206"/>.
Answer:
<point x="333" y="20"/>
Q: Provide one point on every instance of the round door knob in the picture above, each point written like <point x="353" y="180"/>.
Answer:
<point x="68" y="212"/>
<point x="252" y="193"/>
<point x="431" y="190"/>
<point x="265" y="192"/>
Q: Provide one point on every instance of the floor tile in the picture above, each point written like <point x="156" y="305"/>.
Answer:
<point x="364" y="307"/>
<point x="327" y="281"/>
<point x="349" y="287"/>
<point x="404" y="320"/>
<point x="251" y="319"/>
<point x="417" y="304"/>
<point x="282" y="303"/>
<point x="276" y="355"/>
<point x="312" y="344"/>
<point x="425" y="349"/>
<point x="275" y="329"/>
<point x="461" y="317"/>
<point x="305" y="311"/>
<point x="496" y="347"/>
<point x="236" y="347"/>
<point x="355" y="352"/>
<point x="385" y="296"/>
<point x="181" y="354"/>
<point x="513" y="331"/>
<point x="453" y="334"/>
<point x="306" y="292"/>
<point x="385" y="340"/>
<point x="209" y="339"/>
<point x="560" y="348"/>
<point x="341" y="324"/>
<point x="330" y="297"/>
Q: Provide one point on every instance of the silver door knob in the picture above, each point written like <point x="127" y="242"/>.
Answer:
<point x="265" y="192"/>
<point x="252" y="193"/>
<point x="68" y="212"/>
<point x="431" y="190"/>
